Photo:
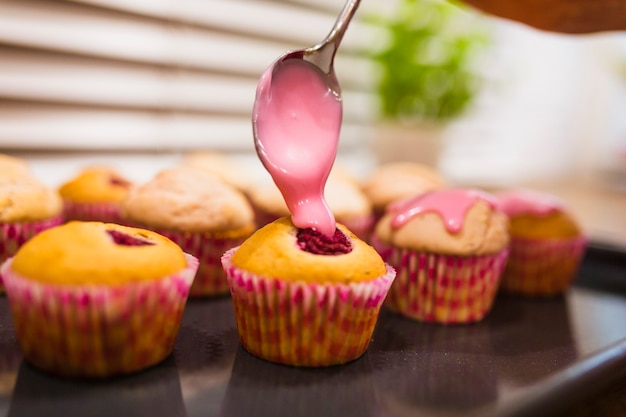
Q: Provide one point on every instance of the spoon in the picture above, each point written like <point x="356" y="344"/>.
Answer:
<point x="296" y="122"/>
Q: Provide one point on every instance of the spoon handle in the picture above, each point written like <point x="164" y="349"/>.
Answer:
<point x="323" y="53"/>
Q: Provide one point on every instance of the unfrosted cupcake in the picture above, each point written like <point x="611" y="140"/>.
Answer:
<point x="449" y="248"/>
<point x="305" y="299"/>
<point x="198" y="211"/>
<point x="27" y="207"/>
<point x="94" y="194"/>
<point x="398" y="180"/>
<point x="90" y="299"/>
<point x="547" y="244"/>
<point x="225" y="167"/>
<point x="344" y="198"/>
<point x="10" y="165"/>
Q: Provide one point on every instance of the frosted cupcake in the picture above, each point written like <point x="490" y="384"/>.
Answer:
<point x="547" y="244"/>
<point x="198" y="211"/>
<point x="398" y="180"/>
<point x="344" y="198"/>
<point x="305" y="299"/>
<point x="27" y="207"/>
<point x="449" y="248"/>
<point x="91" y="299"/>
<point x="94" y="194"/>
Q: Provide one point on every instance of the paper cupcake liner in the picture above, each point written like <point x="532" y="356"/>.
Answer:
<point x="442" y="288"/>
<point x="99" y="212"/>
<point x="211" y="278"/>
<point x="97" y="330"/>
<point x="542" y="267"/>
<point x="14" y="235"/>
<point x="304" y="324"/>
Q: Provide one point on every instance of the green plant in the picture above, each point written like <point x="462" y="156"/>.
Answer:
<point x="427" y="71"/>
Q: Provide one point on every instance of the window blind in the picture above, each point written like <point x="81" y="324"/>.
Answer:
<point x="161" y="75"/>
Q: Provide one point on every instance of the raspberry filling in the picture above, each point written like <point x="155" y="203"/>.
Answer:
<point x="123" y="239"/>
<point x="120" y="182"/>
<point x="317" y="243"/>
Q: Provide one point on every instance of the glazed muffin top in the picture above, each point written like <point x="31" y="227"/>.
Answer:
<point x="97" y="253"/>
<point x="187" y="199"/>
<point x="344" y="198"/>
<point x="282" y="251"/>
<point x="23" y="198"/>
<point x="448" y="221"/>
<point x="395" y="181"/>
<point x="537" y="215"/>
<point x="96" y="185"/>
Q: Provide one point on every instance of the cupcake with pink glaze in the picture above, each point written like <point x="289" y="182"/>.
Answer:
<point x="547" y="244"/>
<point x="95" y="300"/>
<point x="449" y="248"/>
<point x="197" y="210"/>
<point x="302" y="298"/>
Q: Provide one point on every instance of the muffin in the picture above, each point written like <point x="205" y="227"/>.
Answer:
<point x="304" y="299"/>
<point x="91" y="299"/>
<point x="10" y="165"/>
<point x="198" y="211"/>
<point x="27" y="207"/>
<point x="221" y="165"/>
<point x="547" y="244"/>
<point x="94" y="194"/>
<point x="344" y="198"/>
<point x="398" y="180"/>
<point x="449" y="248"/>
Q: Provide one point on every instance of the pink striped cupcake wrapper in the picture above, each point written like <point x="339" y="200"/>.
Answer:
<point x="442" y="288"/>
<point x="304" y="324"/>
<point x="97" y="330"/>
<point x="14" y="235"/>
<point x="542" y="266"/>
<point x="210" y="279"/>
<point x="99" y="212"/>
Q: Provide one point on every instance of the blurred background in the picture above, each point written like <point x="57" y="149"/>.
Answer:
<point x="138" y="83"/>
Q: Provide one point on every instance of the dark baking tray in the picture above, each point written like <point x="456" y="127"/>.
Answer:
<point x="529" y="357"/>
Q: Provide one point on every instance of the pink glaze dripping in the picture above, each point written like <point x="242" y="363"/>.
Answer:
<point x="297" y="119"/>
<point x="450" y="204"/>
<point x="519" y="202"/>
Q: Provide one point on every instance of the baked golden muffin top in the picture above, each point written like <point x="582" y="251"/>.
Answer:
<point x="187" y="199"/>
<point x="447" y="221"/>
<point x="10" y="165"/>
<point x="221" y="165"/>
<point x="280" y="250"/>
<point x="23" y="198"/>
<point x="344" y="198"/>
<point x="96" y="185"/>
<point x="97" y="253"/>
<point x="394" y="181"/>
<point x="537" y="215"/>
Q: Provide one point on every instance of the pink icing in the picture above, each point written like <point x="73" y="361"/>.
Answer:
<point x="519" y="202"/>
<point x="450" y="204"/>
<point x="297" y="119"/>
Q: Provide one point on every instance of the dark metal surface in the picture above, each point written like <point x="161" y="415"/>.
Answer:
<point x="528" y="357"/>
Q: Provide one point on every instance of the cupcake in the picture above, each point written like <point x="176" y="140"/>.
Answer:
<point x="547" y="244"/>
<point x="198" y="211"/>
<point x="27" y="207"/>
<point x="223" y="166"/>
<point x="304" y="299"/>
<point x="343" y="196"/>
<point x="94" y="194"/>
<point x="398" y="180"/>
<point x="449" y="247"/>
<point x="91" y="299"/>
<point x="10" y="165"/>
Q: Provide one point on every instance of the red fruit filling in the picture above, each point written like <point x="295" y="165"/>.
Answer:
<point x="120" y="182"/>
<point x="317" y="243"/>
<point x="123" y="239"/>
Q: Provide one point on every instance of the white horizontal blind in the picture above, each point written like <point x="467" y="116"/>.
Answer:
<point x="160" y="75"/>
